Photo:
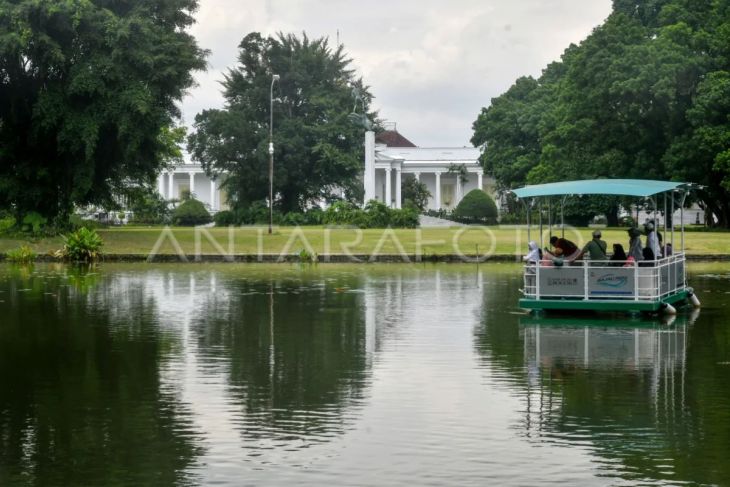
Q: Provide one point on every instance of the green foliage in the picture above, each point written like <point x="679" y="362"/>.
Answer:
<point x="374" y="215"/>
<point x="190" y="212"/>
<point x="224" y="218"/>
<point x="83" y="245"/>
<point x="89" y="93"/>
<point x="21" y="255"/>
<point x="148" y="207"/>
<point x="7" y="223"/>
<point x="476" y="207"/>
<point x="33" y="223"/>
<point x="305" y="257"/>
<point x="317" y="145"/>
<point x="76" y="222"/>
<point x="646" y="95"/>
<point x="415" y="194"/>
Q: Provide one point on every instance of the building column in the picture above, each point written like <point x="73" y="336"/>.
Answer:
<point x="369" y="175"/>
<point x="388" y="196"/>
<point x="161" y="184"/>
<point x="213" y="190"/>
<point x="438" y="190"/>
<point x="398" y="196"/>
<point x="459" y="187"/>
<point x="169" y="185"/>
<point x="192" y="183"/>
<point x="479" y="180"/>
<point x="417" y="175"/>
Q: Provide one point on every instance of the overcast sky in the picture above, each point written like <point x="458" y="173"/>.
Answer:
<point x="431" y="64"/>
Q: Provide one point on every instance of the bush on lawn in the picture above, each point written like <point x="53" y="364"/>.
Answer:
<point x="190" y="212"/>
<point x="476" y="207"/>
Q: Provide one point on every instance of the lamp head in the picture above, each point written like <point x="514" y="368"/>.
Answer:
<point x="275" y="77"/>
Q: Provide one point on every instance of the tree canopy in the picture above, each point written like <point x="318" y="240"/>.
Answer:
<point x="88" y="90"/>
<point x="318" y="148"/>
<point x="645" y="95"/>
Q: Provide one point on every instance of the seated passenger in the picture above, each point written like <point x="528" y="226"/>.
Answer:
<point x="619" y="256"/>
<point x="534" y="255"/>
<point x="596" y="248"/>
<point x="563" y="248"/>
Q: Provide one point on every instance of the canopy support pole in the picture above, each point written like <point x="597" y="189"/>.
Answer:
<point x="540" y="220"/>
<point x="672" y="221"/>
<point x="527" y="210"/>
<point x="681" y="216"/>
<point x="562" y="216"/>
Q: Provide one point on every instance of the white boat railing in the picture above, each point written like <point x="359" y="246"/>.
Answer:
<point x="600" y="280"/>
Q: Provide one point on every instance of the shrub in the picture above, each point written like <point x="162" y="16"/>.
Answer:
<point x="224" y="218"/>
<point x="33" y="222"/>
<point x="476" y="207"/>
<point x="378" y="215"/>
<point x="190" y="212"/>
<point x="405" y="218"/>
<point x="21" y="255"/>
<point x="6" y="223"/>
<point x="148" y="208"/>
<point x="415" y="193"/>
<point x="83" y="245"/>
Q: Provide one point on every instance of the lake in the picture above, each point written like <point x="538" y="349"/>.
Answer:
<point x="350" y="375"/>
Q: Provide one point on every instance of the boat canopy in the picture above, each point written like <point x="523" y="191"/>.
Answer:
<point x="620" y="187"/>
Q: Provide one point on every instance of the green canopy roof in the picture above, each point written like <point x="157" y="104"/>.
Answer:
<point x="621" y="187"/>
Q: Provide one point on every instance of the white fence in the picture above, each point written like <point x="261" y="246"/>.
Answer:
<point x="595" y="280"/>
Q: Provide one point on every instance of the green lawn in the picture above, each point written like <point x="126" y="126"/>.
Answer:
<point x="290" y="240"/>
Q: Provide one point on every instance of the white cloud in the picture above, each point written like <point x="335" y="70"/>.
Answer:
<point x="431" y="64"/>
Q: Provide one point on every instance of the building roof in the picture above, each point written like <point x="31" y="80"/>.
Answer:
<point x="392" y="138"/>
<point x="435" y="154"/>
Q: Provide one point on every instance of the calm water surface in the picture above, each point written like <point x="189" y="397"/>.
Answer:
<point x="347" y="375"/>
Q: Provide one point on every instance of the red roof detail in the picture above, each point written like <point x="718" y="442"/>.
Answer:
<point x="392" y="138"/>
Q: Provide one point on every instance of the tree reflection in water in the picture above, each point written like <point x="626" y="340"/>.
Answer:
<point x="80" y="396"/>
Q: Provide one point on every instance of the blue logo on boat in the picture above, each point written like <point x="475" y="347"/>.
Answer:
<point x="612" y="280"/>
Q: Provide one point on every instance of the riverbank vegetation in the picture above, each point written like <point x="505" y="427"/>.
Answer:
<point x="505" y="240"/>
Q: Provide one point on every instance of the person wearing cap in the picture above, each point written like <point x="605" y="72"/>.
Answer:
<point x="596" y="248"/>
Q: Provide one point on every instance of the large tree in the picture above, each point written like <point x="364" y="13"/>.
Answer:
<point x="318" y="148"/>
<point x="88" y="93"/>
<point x="643" y="96"/>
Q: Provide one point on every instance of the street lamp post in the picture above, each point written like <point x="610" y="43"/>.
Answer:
<point x="274" y="79"/>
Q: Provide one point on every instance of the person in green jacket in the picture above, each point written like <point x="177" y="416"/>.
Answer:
<point x="596" y="248"/>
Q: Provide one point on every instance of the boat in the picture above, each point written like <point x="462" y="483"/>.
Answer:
<point x="655" y="286"/>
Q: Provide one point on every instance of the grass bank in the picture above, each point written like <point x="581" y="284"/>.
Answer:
<point x="506" y="240"/>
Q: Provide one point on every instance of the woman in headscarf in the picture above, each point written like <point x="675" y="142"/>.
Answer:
<point x="652" y="240"/>
<point x="635" y="248"/>
<point x="619" y="256"/>
<point x="533" y="254"/>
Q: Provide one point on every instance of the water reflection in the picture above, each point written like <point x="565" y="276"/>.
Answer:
<point x="75" y="392"/>
<point x="619" y="388"/>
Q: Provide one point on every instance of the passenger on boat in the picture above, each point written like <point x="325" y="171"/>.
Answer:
<point x="652" y="240"/>
<point x="596" y="248"/>
<point x="534" y="254"/>
<point x="635" y="247"/>
<point x="619" y="256"/>
<point x="564" y="248"/>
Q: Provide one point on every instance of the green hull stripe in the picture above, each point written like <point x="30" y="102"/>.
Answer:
<point x="602" y="304"/>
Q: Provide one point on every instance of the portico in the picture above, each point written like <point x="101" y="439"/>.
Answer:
<point x="449" y="173"/>
<point x="172" y="183"/>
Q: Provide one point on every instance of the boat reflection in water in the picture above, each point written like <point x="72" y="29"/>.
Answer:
<point x="617" y="388"/>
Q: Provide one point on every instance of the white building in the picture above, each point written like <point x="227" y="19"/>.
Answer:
<point x="390" y="157"/>
<point x="189" y="176"/>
